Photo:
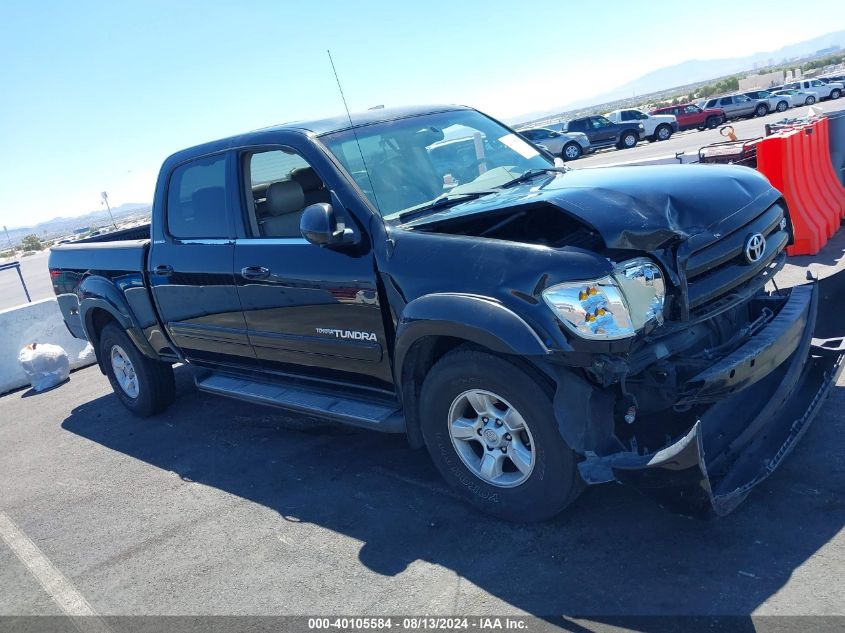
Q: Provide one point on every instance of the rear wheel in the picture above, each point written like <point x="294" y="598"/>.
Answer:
<point x="663" y="132"/>
<point x="810" y="100"/>
<point x="628" y="140"/>
<point x="490" y="428"/>
<point x="782" y="106"/>
<point x="144" y="386"/>
<point x="761" y="110"/>
<point x="571" y="151"/>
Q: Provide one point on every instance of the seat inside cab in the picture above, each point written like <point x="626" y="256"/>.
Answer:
<point x="282" y="185"/>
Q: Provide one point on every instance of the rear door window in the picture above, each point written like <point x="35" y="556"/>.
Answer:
<point x="197" y="199"/>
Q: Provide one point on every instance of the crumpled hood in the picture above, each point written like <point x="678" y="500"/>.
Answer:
<point x="642" y="207"/>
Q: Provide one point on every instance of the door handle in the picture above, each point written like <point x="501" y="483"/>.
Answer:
<point x="163" y="270"/>
<point x="255" y="272"/>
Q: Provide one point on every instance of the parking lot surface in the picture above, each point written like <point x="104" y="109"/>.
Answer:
<point x="690" y="141"/>
<point x="37" y="277"/>
<point x="221" y="507"/>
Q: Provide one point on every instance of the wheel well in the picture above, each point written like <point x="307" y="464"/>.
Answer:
<point x="420" y="358"/>
<point x="97" y="320"/>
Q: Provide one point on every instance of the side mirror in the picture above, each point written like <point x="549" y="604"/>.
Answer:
<point x="559" y="162"/>
<point x="319" y="226"/>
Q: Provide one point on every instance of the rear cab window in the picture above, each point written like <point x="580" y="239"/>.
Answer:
<point x="197" y="199"/>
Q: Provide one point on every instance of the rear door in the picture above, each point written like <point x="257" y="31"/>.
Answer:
<point x="191" y="265"/>
<point x="310" y="311"/>
<point x="603" y="129"/>
<point x="727" y="104"/>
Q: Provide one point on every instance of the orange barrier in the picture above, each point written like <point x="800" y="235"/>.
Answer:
<point x="826" y="163"/>
<point x="824" y="203"/>
<point x="781" y="159"/>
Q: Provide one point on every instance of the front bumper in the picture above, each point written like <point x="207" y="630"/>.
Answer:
<point x="764" y="395"/>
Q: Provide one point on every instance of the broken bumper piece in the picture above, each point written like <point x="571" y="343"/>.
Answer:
<point x="741" y="438"/>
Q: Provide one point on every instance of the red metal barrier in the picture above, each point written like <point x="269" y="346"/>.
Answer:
<point x="835" y="187"/>
<point x="781" y="159"/>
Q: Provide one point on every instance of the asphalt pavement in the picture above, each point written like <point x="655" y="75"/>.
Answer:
<point x="37" y="278"/>
<point x="222" y="507"/>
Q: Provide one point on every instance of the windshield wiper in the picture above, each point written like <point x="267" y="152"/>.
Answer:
<point x="442" y="201"/>
<point x="448" y="199"/>
<point x="531" y="173"/>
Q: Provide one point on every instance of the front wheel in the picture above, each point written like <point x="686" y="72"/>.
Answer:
<point x="835" y="93"/>
<point x="782" y="106"/>
<point x="761" y="110"/>
<point x="490" y="428"/>
<point x="713" y="122"/>
<point x="809" y="100"/>
<point x="571" y="151"/>
<point x="145" y="386"/>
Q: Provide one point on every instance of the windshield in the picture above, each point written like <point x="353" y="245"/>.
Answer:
<point x="408" y="163"/>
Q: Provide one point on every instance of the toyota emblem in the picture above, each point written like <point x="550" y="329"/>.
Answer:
<point x="755" y="246"/>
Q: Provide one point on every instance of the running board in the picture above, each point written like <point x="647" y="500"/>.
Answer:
<point x="375" y="415"/>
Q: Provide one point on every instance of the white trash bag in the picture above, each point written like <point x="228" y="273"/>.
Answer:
<point x="45" y="365"/>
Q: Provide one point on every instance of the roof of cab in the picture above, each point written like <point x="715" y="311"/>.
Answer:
<point x="317" y="126"/>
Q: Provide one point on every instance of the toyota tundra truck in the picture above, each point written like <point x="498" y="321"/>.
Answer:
<point x="536" y="328"/>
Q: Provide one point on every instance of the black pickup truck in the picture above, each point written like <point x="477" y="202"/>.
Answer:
<point x="536" y="328"/>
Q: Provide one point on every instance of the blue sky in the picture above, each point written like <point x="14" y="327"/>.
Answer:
<point x="96" y="94"/>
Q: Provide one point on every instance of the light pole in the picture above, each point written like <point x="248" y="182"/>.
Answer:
<point x="105" y="197"/>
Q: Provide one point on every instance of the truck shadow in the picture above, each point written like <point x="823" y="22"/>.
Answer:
<point x="612" y="554"/>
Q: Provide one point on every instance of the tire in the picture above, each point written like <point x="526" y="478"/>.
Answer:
<point x="835" y="93"/>
<point x="628" y="140"/>
<point x="663" y="132"/>
<point x="153" y="388"/>
<point x="571" y="151"/>
<point x="521" y="494"/>
<point x="713" y="122"/>
<point x="782" y="106"/>
<point x="761" y="110"/>
<point x="809" y="100"/>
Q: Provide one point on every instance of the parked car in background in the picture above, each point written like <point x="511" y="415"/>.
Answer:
<point x="797" y="97"/>
<point x="605" y="133"/>
<point x="779" y="103"/>
<point x="658" y="127"/>
<point x="817" y="89"/>
<point x="738" y="106"/>
<point x="690" y="116"/>
<point x="567" y="145"/>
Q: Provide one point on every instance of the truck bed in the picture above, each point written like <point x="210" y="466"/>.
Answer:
<point x="124" y="255"/>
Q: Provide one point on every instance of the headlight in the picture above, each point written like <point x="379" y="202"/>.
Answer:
<point x="641" y="126"/>
<point x="613" y="307"/>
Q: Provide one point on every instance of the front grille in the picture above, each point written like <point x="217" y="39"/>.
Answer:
<point x="715" y="271"/>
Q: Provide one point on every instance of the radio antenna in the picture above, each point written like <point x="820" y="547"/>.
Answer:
<point x="354" y="132"/>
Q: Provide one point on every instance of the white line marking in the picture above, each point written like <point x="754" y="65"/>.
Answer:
<point x="57" y="586"/>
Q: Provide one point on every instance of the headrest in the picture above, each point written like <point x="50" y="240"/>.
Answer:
<point x="208" y="200"/>
<point x="307" y="178"/>
<point x="285" y="197"/>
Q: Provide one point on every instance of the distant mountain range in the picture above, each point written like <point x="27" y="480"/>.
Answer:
<point x="61" y="226"/>
<point x="695" y="71"/>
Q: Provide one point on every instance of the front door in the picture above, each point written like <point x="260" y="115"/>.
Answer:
<point x="310" y="310"/>
<point x="191" y="265"/>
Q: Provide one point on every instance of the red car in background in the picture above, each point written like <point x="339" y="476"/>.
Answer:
<point x="691" y="116"/>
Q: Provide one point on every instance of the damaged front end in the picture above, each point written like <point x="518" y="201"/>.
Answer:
<point x="737" y="409"/>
